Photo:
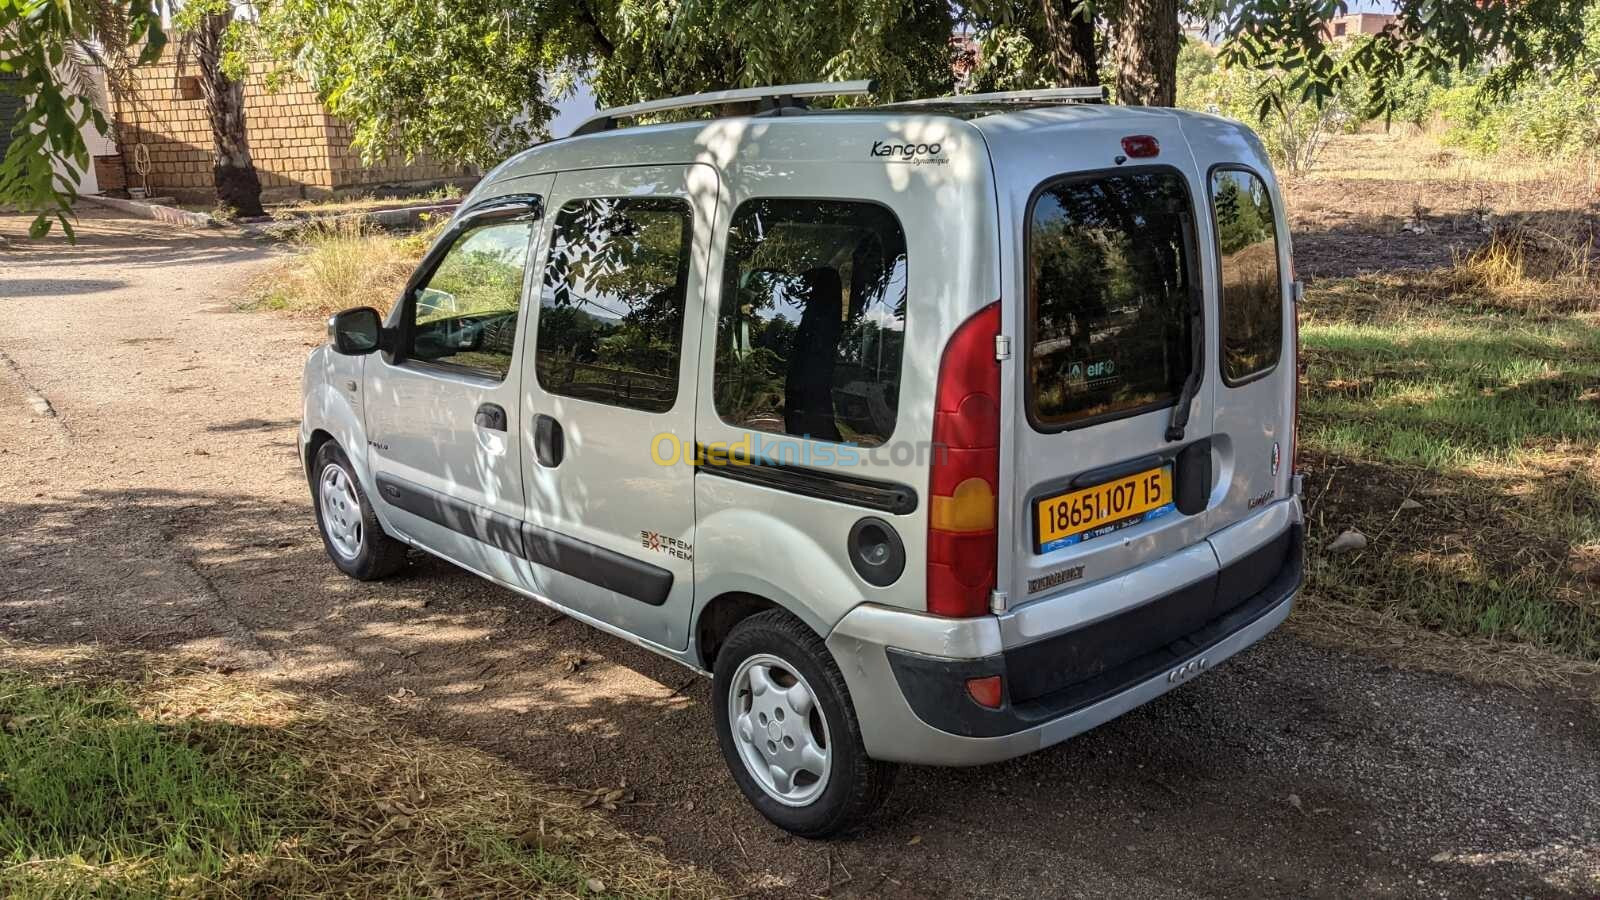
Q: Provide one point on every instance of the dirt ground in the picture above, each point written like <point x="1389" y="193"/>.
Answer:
<point x="159" y="504"/>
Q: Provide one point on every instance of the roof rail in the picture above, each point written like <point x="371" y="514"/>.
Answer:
<point x="774" y="97"/>
<point x="1042" y="95"/>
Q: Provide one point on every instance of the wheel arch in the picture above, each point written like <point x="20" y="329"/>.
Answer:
<point x="720" y="615"/>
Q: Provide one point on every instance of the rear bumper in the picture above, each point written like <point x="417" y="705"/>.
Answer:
<point x="907" y="672"/>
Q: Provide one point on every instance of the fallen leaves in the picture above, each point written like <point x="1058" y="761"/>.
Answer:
<point x="609" y="798"/>
<point x="571" y="661"/>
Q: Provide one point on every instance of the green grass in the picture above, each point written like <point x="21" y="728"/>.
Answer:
<point x="1488" y="415"/>
<point x="95" y="799"/>
<point x="1450" y="389"/>
<point x="207" y="786"/>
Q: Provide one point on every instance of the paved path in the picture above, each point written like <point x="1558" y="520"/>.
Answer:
<point x="161" y="506"/>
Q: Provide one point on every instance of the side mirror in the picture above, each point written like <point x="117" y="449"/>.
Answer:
<point x="355" y="332"/>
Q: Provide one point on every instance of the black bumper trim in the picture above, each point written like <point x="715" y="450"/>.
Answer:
<point x="1090" y="664"/>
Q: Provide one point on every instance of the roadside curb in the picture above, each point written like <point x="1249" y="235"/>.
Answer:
<point x="169" y="214"/>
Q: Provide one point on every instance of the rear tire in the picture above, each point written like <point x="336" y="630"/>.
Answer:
<point x="351" y="534"/>
<point x="789" y="732"/>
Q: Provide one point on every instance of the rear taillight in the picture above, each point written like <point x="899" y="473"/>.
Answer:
<point x="965" y="476"/>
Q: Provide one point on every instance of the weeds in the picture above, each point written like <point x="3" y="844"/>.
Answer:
<point x="1544" y="264"/>
<point x="344" y="263"/>
<point x="189" y="784"/>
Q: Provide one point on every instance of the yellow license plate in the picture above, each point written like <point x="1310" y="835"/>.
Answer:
<point x="1062" y="520"/>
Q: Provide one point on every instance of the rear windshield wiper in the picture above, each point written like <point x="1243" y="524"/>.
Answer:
<point x="1191" y="385"/>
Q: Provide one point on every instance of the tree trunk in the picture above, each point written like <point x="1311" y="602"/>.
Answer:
<point x="232" y="168"/>
<point x="1070" y="42"/>
<point x="1147" y="40"/>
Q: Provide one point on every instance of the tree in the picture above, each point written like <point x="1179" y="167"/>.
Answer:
<point x="50" y="46"/>
<point x="1518" y="40"/>
<point x="204" y="28"/>
<point x="409" y="74"/>
<point x="1146" y="42"/>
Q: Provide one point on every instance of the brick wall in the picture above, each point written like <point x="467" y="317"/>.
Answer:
<point x="298" y="148"/>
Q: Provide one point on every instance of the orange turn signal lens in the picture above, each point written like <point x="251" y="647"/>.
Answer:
<point x="969" y="508"/>
<point x="985" y="691"/>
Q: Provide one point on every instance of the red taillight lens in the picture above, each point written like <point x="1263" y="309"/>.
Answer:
<point x="965" y="475"/>
<point x="1141" y="146"/>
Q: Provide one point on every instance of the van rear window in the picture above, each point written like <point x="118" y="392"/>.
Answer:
<point x="1252" y="289"/>
<point x="1109" y="281"/>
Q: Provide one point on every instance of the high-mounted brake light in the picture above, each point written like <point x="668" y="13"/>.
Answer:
<point x="1141" y="146"/>
<point x="965" y="476"/>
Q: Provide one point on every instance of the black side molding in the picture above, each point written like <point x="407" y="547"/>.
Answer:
<point x="868" y="493"/>
<point x="607" y="568"/>
<point x="597" y="565"/>
<point x="488" y="526"/>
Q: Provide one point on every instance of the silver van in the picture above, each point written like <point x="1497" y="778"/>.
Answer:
<point x="936" y="432"/>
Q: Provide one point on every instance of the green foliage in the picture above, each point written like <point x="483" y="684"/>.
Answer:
<point x="462" y="78"/>
<point x="411" y="74"/>
<point x="1554" y="117"/>
<point x="1524" y="41"/>
<point x="48" y="47"/>
<point x="1295" y="128"/>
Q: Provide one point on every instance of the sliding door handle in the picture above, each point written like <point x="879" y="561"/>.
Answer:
<point x="549" y="444"/>
<point x="490" y="416"/>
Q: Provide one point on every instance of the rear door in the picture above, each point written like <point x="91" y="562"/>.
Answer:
<point x="609" y="395"/>
<point x="1254" y="368"/>
<point x="1109" y="320"/>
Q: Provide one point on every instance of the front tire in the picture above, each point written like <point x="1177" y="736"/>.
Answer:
<point x="354" y="539"/>
<point x="789" y="732"/>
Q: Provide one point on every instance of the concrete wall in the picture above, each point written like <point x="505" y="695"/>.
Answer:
<point x="300" y="151"/>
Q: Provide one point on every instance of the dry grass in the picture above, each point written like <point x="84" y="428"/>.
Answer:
<point x="1540" y="264"/>
<point x="1409" y="155"/>
<point x="317" y="798"/>
<point x="1337" y="625"/>
<point x="340" y="264"/>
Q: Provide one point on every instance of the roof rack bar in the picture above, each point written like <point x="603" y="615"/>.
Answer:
<point x="776" y="95"/>
<point x="1066" y="94"/>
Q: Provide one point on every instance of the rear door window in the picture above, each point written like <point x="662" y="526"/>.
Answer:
<point x="1110" y="276"/>
<point x="1252" y="289"/>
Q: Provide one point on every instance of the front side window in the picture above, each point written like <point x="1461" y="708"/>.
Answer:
<point x="611" y="310"/>
<point x="1109" y="285"/>
<point x="1252" y="289"/>
<point x="811" y="325"/>
<point x="465" y="314"/>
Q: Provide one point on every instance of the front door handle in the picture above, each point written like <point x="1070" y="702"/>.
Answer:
<point x="491" y="416"/>
<point x="548" y="441"/>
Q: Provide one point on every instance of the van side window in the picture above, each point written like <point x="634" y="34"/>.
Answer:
<point x="465" y="314"/>
<point x="1252" y="289"/>
<point x="611" y="310"/>
<point x="1109" y="282"/>
<point x="812" y="320"/>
